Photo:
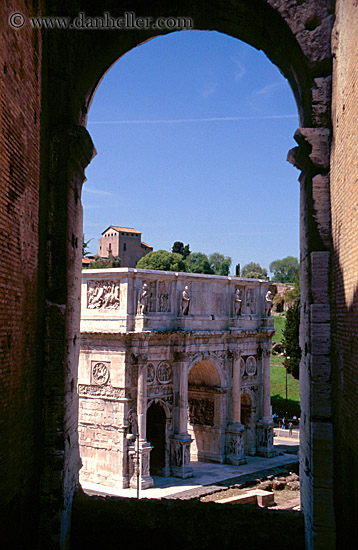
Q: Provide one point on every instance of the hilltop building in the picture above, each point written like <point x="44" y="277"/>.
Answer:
<point x="124" y="242"/>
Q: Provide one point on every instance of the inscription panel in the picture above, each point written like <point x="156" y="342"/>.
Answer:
<point x="91" y="390"/>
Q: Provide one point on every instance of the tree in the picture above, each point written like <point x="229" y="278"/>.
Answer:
<point x="292" y="295"/>
<point x="285" y="270"/>
<point x="254" y="271"/>
<point x="179" y="248"/>
<point x="85" y="251"/>
<point x="198" y="262"/>
<point x="291" y="339"/>
<point x="105" y="263"/>
<point x="219" y="264"/>
<point x="162" y="260"/>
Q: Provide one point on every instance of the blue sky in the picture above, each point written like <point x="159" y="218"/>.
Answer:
<point x="192" y="132"/>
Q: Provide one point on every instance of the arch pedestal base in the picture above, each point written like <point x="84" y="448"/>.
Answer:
<point x="264" y="439"/>
<point x="180" y="457"/>
<point x="145" y="480"/>
<point x="235" y="444"/>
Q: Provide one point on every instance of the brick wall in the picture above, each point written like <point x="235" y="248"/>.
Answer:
<point x="20" y="381"/>
<point x="344" y="200"/>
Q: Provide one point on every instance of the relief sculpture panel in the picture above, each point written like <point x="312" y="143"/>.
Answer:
<point x="100" y="372"/>
<point x="163" y="296"/>
<point x="103" y="295"/>
<point x="201" y="411"/>
<point x="164" y="373"/>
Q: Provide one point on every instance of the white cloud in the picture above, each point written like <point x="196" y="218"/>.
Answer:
<point x="209" y="89"/>
<point x="240" y="69"/>
<point x="97" y="191"/>
<point x="268" y="89"/>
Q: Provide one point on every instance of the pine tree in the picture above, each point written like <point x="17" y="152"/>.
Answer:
<point x="291" y="339"/>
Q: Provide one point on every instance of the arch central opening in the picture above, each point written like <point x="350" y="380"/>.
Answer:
<point x="205" y="407"/>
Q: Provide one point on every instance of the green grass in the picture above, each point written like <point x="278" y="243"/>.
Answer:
<point x="278" y="381"/>
<point x="279" y="327"/>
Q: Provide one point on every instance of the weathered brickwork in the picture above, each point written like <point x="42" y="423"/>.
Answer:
<point x="344" y="193"/>
<point x="20" y="378"/>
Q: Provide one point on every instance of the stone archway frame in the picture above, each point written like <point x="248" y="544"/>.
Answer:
<point x="168" y="411"/>
<point x="248" y="391"/>
<point x="296" y="38"/>
<point x="166" y="406"/>
<point x="209" y="410"/>
<point x="211" y="358"/>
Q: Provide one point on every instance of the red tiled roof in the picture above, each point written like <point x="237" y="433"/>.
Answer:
<point x="122" y="229"/>
<point x="147" y="245"/>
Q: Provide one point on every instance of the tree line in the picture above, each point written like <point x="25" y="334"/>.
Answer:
<point x="183" y="260"/>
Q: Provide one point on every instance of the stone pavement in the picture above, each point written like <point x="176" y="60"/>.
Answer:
<point x="208" y="477"/>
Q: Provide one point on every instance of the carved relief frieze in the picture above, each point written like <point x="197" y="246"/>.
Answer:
<point x="164" y="373"/>
<point x="251" y="365"/>
<point x="201" y="411"/>
<point x="100" y="372"/>
<point x="234" y="445"/>
<point x="103" y="295"/>
<point x="91" y="390"/>
<point x="152" y="296"/>
<point x="160" y="390"/>
<point x="131" y="417"/>
<point x="150" y="373"/>
<point x="180" y="453"/>
<point x="164" y="296"/>
<point x="242" y="367"/>
<point x="250" y="301"/>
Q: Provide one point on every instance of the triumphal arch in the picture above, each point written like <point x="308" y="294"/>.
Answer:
<point x="181" y="361"/>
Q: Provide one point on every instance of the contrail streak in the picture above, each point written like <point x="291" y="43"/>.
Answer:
<point x="183" y="120"/>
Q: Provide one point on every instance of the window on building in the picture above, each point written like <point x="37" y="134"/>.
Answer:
<point x="124" y="246"/>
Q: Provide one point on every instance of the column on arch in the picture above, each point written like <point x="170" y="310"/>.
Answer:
<point x="181" y="441"/>
<point x="235" y="430"/>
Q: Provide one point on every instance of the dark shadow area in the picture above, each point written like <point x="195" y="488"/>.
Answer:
<point x="156" y="437"/>
<point x="120" y="523"/>
<point x="285" y="408"/>
<point x="344" y="408"/>
<point x="288" y="449"/>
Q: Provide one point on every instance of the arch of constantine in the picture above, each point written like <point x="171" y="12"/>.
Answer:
<point x="168" y="356"/>
<point x="49" y="77"/>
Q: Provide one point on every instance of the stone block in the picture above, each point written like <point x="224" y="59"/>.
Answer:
<point x="320" y="313"/>
<point x="321" y="198"/>
<point x="320" y="338"/>
<point x="257" y="496"/>
<point x="320" y="276"/>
